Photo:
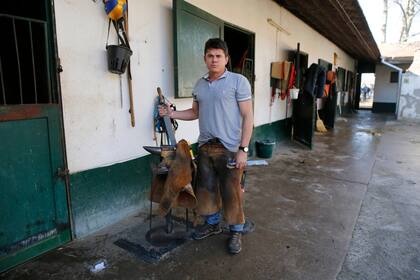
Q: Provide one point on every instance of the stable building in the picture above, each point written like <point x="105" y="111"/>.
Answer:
<point x="397" y="84"/>
<point x="71" y="136"/>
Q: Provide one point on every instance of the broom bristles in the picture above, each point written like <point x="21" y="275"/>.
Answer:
<point x="320" y="127"/>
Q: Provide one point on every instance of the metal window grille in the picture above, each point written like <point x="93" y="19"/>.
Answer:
<point x="25" y="69"/>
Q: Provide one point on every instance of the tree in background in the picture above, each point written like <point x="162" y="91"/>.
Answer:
<point x="383" y="29"/>
<point x="409" y="9"/>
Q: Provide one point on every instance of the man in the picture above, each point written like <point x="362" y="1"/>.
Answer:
<point x="365" y="90"/>
<point x="222" y="103"/>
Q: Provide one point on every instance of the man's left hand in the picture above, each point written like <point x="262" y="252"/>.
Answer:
<point x="241" y="158"/>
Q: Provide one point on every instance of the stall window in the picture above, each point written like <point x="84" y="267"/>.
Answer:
<point x="193" y="27"/>
<point x="327" y="65"/>
<point x="341" y="79"/>
<point x="394" y="77"/>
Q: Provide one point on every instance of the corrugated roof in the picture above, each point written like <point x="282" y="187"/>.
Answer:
<point x="341" y="21"/>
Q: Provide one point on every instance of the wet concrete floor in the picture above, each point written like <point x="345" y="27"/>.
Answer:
<point x="348" y="209"/>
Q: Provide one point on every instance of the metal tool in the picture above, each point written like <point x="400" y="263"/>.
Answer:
<point x="165" y="235"/>
<point x="167" y="121"/>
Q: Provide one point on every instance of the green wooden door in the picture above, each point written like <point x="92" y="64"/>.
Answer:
<point x="192" y="28"/>
<point x="34" y="213"/>
<point x="34" y="216"/>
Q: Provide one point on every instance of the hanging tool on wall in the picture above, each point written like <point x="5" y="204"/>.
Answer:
<point x="290" y="85"/>
<point x="129" y="76"/>
<point x="297" y="66"/>
<point x="119" y="55"/>
<point x="285" y="82"/>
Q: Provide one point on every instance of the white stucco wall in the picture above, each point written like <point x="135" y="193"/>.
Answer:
<point x="385" y="92"/>
<point x="97" y="123"/>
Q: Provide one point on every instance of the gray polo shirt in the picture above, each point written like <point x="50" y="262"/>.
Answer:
<point x="218" y="107"/>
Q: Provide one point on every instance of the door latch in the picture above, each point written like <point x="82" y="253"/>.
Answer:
<point x="62" y="173"/>
<point x="59" y="66"/>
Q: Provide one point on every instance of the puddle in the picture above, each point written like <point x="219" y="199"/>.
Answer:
<point x="370" y="131"/>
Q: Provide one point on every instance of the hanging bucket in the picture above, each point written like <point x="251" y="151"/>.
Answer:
<point x="265" y="148"/>
<point x="294" y="93"/>
<point x="118" y="58"/>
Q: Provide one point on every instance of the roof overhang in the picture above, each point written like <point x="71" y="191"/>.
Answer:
<point x="340" y="21"/>
<point x="399" y="60"/>
<point x="399" y="53"/>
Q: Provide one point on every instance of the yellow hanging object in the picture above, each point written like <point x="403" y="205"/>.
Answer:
<point x="115" y="9"/>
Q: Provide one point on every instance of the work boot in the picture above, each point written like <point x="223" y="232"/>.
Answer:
<point x="206" y="230"/>
<point x="235" y="243"/>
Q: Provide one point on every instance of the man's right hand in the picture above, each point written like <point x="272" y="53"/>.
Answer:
<point x="165" y="110"/>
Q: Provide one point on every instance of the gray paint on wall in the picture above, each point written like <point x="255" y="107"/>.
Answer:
<point x="409" y="107"/>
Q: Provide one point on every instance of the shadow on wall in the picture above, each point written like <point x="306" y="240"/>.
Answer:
<point x="410" y="96"/>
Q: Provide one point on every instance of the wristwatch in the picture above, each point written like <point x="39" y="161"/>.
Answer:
<point x="245" y="149"/>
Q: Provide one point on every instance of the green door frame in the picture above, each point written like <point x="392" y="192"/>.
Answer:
<point x="187" y="60"/>
<point x="54" y="113"/>
<point x="57" y="86"/>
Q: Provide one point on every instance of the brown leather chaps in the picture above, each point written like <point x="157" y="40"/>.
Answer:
<point x="217" y="185"/>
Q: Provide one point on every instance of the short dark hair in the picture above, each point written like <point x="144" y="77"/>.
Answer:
<point x="216" y="43"/>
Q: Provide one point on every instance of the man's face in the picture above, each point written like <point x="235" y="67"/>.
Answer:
<point x="216" y="60"/>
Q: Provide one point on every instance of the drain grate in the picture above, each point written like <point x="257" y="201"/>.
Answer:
<point x="152" y="245"/>
<point x="149" y="255"/>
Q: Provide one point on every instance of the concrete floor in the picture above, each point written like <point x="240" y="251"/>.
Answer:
<point x="348" y="209"/>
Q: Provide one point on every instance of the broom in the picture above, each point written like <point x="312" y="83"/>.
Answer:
<point x="320" y="127"/>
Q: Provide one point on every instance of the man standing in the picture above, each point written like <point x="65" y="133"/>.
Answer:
<point x="222" y="103"/>
<point x="365" y="90"/>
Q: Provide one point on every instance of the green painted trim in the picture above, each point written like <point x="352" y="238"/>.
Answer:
<point x="103" y="196"/>
<point x="39" y="248"/>
<point x="276" y="131"/>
